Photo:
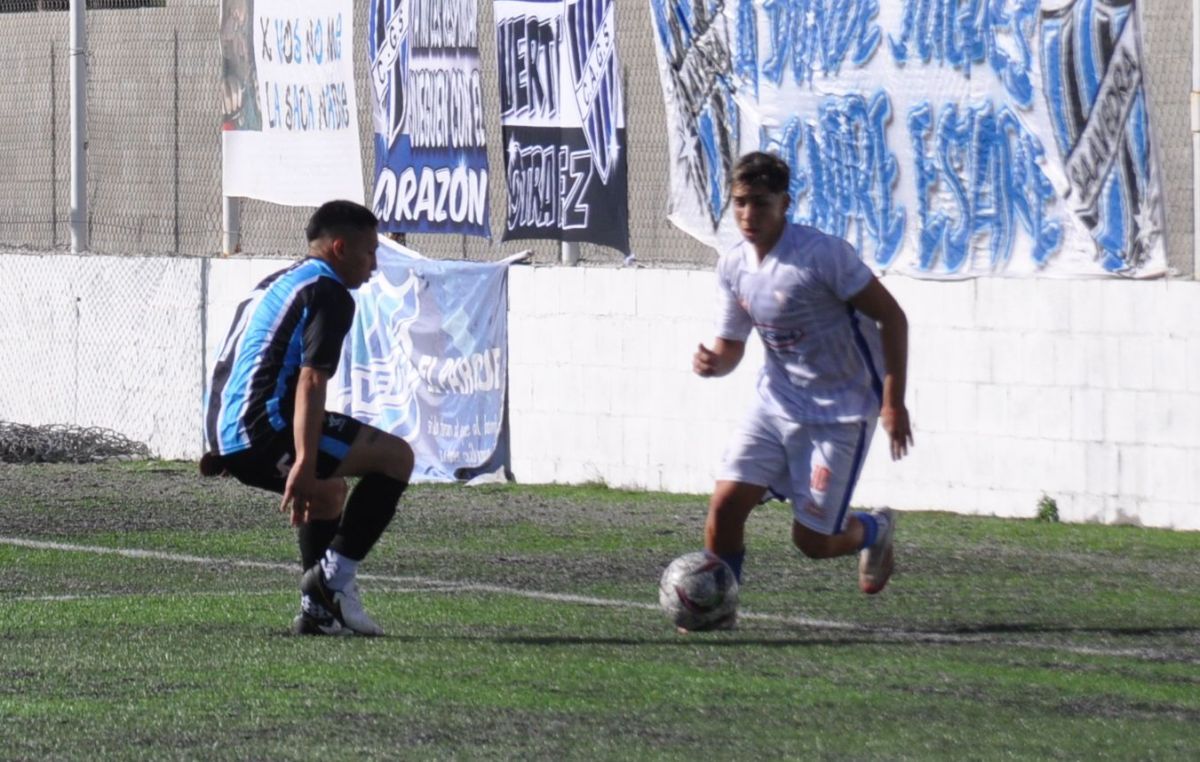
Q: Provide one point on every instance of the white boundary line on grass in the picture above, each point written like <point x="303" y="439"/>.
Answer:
<point x="436" y="585"/>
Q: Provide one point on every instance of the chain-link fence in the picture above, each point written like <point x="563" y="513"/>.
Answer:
<point x="154" y="150"/>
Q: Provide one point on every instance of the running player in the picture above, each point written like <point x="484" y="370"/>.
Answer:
<point x="836" y="346"/>
<point x="266" y="423"/>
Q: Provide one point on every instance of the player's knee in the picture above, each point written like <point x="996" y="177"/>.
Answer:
<point x="402" y="467"/>
<point x="393" y="457"/>
<point x="812" y="544"/>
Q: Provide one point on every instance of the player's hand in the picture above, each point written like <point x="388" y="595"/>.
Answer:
<point x="895" y="423"/>
<point x="704" y="362"/>
<point x="299" y="491"/>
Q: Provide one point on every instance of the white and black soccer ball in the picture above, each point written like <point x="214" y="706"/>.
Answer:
<point x="698" y="591"/>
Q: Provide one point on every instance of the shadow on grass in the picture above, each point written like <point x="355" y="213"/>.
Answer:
<point x="1023" y="628"/>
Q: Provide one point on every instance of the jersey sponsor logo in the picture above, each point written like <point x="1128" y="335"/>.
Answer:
<point x="779" y="339"/>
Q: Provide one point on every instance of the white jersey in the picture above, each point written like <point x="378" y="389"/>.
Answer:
<point x="824" y="360"/>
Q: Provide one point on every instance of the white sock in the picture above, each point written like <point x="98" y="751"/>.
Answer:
<point x="339" y="570"/>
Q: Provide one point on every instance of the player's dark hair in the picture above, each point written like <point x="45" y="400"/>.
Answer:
<point x="763" y="170"/>
<point x="338" y="218"/>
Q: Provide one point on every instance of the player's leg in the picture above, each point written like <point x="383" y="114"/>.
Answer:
<point x="266" y="466"/>
<point x="754" y="460"/>
<point x="320" y="521"/>
<point x="384" y="462"/>
<point x="827" y="461"/>
<point x="725" y="528"/>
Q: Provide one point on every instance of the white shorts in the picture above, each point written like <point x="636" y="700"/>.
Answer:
<point x="814" y="465"/>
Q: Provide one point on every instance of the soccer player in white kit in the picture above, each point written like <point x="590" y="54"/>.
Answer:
<point x="836" y="345"/>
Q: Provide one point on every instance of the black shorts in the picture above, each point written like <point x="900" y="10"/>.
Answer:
<point x="266" y="464"/>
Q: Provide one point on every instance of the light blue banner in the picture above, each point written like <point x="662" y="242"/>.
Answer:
<point x="943" y="139"/>
<point x="427" y="360"/>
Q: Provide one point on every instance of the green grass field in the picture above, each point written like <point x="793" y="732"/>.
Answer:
<point x="144" y="615"/>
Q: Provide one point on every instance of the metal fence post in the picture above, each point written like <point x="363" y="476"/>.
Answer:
<point x="78" y="53"/>
<point x="231" y="225"/>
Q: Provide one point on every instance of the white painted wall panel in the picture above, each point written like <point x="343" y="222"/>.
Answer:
<point x="1017" y="388"/>
<point x="101" y="341"/>
<point x="1087" y="391"/>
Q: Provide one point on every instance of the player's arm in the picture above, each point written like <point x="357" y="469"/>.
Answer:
<point x="733" y="325"/>
<point x="308" y="417"/>
<point x="877" y="303"/>
<point x="720" y="360"/>
<point x="330" y="311"/>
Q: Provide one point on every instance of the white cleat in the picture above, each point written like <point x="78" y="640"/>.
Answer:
<point x="345" y="605"/>
<point x="875" y="564"/>
<point x="348" y="608"/>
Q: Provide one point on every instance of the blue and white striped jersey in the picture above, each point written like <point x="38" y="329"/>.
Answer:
<point x="824" y="360"/>
<point x="294" y="318"/>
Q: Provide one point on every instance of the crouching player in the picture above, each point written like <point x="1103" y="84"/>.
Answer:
<point x="266" y="423"/>
<point x="836" y="352"/>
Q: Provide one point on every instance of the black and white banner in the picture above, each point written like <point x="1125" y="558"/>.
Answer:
<point x="562" y="114"/>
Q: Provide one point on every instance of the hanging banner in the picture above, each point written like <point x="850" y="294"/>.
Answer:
<point x="431" y="169"/>
<point x="943" y="140"/>
<point x="427" y="360"/>
<point x="563" y="120"/>
<point x="290" y="119"/>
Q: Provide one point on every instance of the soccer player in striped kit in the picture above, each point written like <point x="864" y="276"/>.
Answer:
<point x="836" y="345"/>
<point x="266" y="423"/>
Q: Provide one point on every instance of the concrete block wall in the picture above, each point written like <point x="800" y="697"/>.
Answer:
<point x="601" y="387"/>
<point x="1087" y="392"/>
<point x="113" y="342"/>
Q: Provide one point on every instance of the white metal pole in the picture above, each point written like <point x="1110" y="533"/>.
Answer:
<point x="570" y="249"/>
<point x="78" y="53"/>
<point x="231" y="224"/>
<point x="1195" y="103"/>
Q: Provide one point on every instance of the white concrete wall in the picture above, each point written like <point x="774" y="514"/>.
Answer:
<point x="1087" y="391"/>
<point x="113" y="342"/>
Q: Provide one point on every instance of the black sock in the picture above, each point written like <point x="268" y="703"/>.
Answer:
<point x="314" y="537"/>
<point x="368" y="511"/>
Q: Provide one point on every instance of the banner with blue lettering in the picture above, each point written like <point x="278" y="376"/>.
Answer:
<point x="427" y="360"/>
<point x="289" y="116"/>
<point x="942" y="139"/>
<point x="563" y="121"/>
<point x="431" y="169"/>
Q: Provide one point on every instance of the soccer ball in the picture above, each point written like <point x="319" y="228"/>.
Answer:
<point x="698" y="591"/>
